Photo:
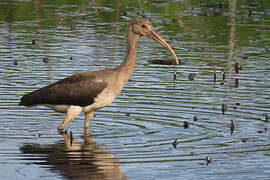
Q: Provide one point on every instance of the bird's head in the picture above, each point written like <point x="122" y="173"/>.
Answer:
<point x="144" y="27"/>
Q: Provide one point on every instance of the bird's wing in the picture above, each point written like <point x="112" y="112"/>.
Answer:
<point x="79" y="89"/>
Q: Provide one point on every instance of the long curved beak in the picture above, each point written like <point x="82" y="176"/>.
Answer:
<point x="153" y="35"/>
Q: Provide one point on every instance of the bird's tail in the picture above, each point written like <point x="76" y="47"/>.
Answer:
<point x="28" y="100"/>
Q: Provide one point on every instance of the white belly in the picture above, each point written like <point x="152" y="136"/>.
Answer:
<point x="105" y="98"/>
<point x="62" y="108"/>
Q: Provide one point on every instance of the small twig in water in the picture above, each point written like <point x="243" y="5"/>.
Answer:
<point x="174" y="143"/>
<point x="71" y="138"/>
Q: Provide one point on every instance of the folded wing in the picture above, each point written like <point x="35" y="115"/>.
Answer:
<point x="79" y="89"/>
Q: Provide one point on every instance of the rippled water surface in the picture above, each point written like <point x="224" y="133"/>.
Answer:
<point x="141" y="135"/>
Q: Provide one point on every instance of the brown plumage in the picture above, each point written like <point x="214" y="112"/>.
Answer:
<point x="89" y="91"/>
<point x="79" y="89"/>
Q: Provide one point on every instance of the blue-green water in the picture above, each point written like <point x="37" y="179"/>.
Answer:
<point x="133" y="137"/>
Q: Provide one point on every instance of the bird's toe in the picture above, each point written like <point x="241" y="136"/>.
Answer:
<point x="62" y="131"/>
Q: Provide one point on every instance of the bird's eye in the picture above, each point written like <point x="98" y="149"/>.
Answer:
<point x="143" y="26"/>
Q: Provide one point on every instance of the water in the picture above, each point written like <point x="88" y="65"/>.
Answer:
<point x="133" y="137"/>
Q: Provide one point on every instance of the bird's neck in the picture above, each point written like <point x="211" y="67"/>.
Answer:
<point x="128" y="65"/>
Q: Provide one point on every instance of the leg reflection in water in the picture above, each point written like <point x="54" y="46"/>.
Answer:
<point x="75" y="160"/>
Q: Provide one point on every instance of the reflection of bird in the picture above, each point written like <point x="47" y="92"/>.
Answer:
<point x="75" y="160"/>
<point x="89" y="91"/>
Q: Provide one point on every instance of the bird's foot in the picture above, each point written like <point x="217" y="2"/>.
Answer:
<point x="61" y="131"/>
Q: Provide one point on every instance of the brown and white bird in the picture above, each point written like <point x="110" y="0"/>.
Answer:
<point x="86" y="92"/>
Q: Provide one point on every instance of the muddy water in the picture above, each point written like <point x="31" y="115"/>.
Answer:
<point x="142" y="134"/>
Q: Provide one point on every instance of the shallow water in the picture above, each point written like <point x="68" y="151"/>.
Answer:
<point x="133" y="137"/>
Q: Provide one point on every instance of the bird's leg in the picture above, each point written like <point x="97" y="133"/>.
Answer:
<point x="88" y="140"/>
<point x="88" y="117"/>
<point x="72" y="112"/>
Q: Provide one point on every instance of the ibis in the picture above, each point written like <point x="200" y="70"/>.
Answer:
<point x="89" y="91"/>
